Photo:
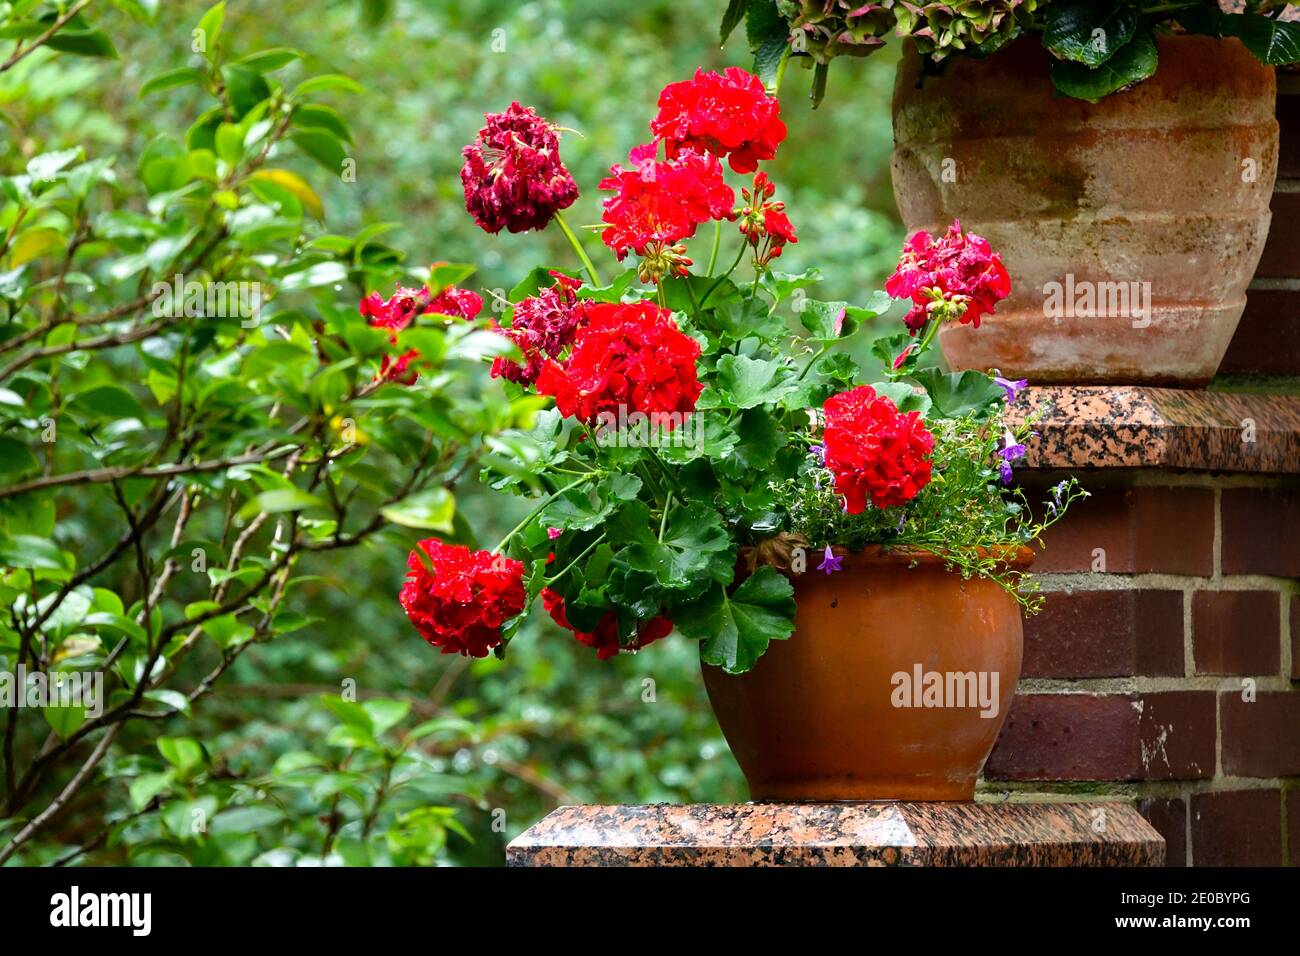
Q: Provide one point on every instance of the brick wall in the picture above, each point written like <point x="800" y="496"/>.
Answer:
<point x="1268" y="340"/>
<point x="1162" y="667"/>
<point x="1165" y="667"/>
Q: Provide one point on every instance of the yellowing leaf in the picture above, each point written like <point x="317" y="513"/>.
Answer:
<point x="33" y="244"/>
<point x="296" y="185"/>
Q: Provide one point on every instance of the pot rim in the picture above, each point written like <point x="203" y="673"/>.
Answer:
<point x="1015" y="556"/>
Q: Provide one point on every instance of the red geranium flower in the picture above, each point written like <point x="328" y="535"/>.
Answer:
<point x="513" y="176"/>
<point x="604" y="639"/>
<point x="955" y="276"/>
<point x="729" y="114"/>
<point x="874" y="451"/>
<point x="543" y="327"/>
<point x="397" y="312"/>
<point x="631" y="357"/>
<point x="398" y="368"/>
<point x="660" y="202"/>
<point x="461" y="604"/>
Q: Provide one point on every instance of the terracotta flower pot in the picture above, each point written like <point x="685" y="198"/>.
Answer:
<point x="832" y="713"/>
<point x="1153" y="203"/>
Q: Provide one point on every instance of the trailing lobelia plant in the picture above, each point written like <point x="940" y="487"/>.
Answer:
<point x="709" y="429"/>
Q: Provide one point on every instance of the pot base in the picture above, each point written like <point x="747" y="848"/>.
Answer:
<point x="840" y="790"/>
<point x="893" y="686"/>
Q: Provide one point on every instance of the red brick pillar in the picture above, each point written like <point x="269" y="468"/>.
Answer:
<point x="1164" y="667"/>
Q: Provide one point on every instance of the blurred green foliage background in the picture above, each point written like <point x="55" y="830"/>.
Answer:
<point x="550" y="724"/>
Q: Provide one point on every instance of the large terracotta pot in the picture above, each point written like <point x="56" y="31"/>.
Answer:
<point x="821" y="716"/>
<point x="1167" y="183"/>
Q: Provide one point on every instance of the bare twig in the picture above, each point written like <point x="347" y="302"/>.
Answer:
<point x="38" y="822"/>
<point x="101" y="475"/>
<point x="22" y="52"/>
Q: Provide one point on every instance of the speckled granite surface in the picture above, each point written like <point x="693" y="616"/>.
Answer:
<point x="842" y="834"/>
<point x="1093" y="426"/>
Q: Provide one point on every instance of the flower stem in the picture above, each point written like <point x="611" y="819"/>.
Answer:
<point x="586" y="551"/>
<point x="717" y="241"/>
<point x="577" y="247"/>
<point x="538" y="510"/>
<point x="928" y="337"/>
<point x="663" y="521"/>
<point x="813" y="361"/>
<point x="722" y="278"/>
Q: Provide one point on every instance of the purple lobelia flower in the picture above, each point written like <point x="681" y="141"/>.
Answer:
<point x="1011" y="388"/>
<point x="1011" y="451"/>
<point x="830" y="561"/>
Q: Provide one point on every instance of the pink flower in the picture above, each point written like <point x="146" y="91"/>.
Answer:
<point x="957" y="276"/>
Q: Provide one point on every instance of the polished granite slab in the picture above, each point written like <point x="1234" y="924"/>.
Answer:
<point x="842" y="834"/>
<point x="1133" y="426"/>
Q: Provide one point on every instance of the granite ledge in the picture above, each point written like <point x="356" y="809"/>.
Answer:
<point x="841" y="834"/>
<point x="1132" y="426"/>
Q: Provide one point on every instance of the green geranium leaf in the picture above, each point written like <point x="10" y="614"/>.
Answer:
<point x="612" y="292"/>
<point x="768" y="34"/>
<point x="958" y="394"/>
<point x="736" y="10"/>
<point x="904" y="396"/>
<point x="581" y="509"/>
<point x="736" y="629"/>
<point x="744" y="382"/>
<point x="826" y="321"/>
<point x="781" y="285"/>
<point x="739" y="319"/>
<point x="719" y="438"/>
<point x="694" y="546"/>
<point x="759" y="438"/>
<point x="889" y="348"/>
<point x="839" y="368"/>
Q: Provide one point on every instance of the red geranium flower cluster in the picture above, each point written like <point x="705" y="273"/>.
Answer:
<point x="874" y="451"/>
<point x="657" y="203"/>
<point x="397" y="312"/>
<point x="461" y="604"/>
<point x="628" y="356"/>
<point x="955" y="276"/>
<point x="763" y="222"/>
<point x="605" y="638"/>
<point x="543" y="327"/>
<point x="513" y="176"/>
<point x="729" y="114"/>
